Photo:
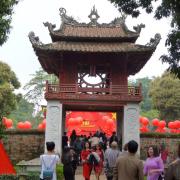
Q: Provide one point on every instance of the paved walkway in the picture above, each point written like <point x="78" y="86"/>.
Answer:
<point x="80" y="177"/>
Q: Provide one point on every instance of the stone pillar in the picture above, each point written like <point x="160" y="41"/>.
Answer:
<point x="131" y="123"/>
<point x="54" y="124"/>
<point x="119" y="125"/>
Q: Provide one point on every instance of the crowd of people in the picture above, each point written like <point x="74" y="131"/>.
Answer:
<point x="100" y="153"/>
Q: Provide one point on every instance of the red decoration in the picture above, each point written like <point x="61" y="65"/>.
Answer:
<point x="20" y="125"/>
<point x="27" y="125"/>
<point x="8" y="123"/>
<point x="40" y="127"/>
<point x="44" y="123"/>
<point x="145" y="121"/>
<point x="5" y="164"/>
<point x="171" y="125"/>
<point x="144" y="129"/>
<point x="141" y="119"/>
<point x="162" y="124"/>
<point x="155" y="122"/>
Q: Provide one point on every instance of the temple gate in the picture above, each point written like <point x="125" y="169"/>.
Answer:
<point x="93" y="62"/>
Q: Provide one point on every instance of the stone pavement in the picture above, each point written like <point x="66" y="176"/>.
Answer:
<point x="79" y="175"/>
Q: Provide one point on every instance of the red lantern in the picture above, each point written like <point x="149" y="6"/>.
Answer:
<point x="176" y="124"/>
<point x="162" y="124"/>
<point x="71" y="121"/>
<point x="145" y="121"/>
<point x="79" y="120"/>
<point x="40" y="127"/>
<point x="171" y="125"/>
<point x="141" y="119"/>
<point x="144" y="129"/>
<point x="8" y="123"/>
<point x="27" y="125"/>
<point x="44" y="123"/>
<point x="155" y="122"/>
<point x="20" y="125"/>
<point x="109" y="122"/>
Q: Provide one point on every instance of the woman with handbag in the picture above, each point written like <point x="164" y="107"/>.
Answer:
<point x="153" y="167"/>
<point x="98" y="167"/>
<point x="87" y="167"/>
<point x="48" y="162"/>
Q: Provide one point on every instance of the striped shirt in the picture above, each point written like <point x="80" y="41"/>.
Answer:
<point x="111" y="156"/>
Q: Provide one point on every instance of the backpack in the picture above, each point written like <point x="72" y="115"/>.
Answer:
<point x="48" y="172"/>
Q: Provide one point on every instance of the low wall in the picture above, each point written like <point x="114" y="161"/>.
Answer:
<point x="26" y="145"/>
<point x="23" y="144"/>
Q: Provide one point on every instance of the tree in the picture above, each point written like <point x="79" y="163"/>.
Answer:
<point x="8" y="100"/>
<point x="146" y="107"/>
<point x="6" y="11"/>
<point x="165" y="93"/>
<point x="36" y="86"/>
<point x="165" y="9"/>
<point x="23" y="111"/>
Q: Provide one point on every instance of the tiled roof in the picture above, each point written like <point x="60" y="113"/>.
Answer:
<point x="94" y="47"/>
<point x="75" y="31"/>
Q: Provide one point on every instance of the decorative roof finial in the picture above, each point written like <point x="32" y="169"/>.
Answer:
<point x="94" y="16"/>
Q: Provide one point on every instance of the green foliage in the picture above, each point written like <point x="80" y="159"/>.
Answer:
<point x="23" y="111"/>
<point x="165" y="93"/>
<point x="59" y="171"/>
<point x="153" y="113"/>
<point x="8" y="100"/>
<point x="9" y="177"/>
<point x="146" y="104"/>
<point x="164" y="9"/>
<point x="36" y="86"/>
<point x="6" y="11"/>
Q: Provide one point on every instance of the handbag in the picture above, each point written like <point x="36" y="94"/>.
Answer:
<point x="48" y="172"/>
<point x="161" y="176"/>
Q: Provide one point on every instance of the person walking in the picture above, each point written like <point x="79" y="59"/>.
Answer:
<point x="153" y="166"/>
<point x="87" y="167"/>
<point x="98" y="167"/>
<point x="129" y="167"/>
<point x="173" y="171"/>
<point x="110" y="157"/>
<point x="48" y="162"/>
<point x="68" y="164"/>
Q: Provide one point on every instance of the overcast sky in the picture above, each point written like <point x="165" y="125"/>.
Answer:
<point x="29" y="16"/>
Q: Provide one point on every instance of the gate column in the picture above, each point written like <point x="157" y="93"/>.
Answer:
<point x="54" y="124"/>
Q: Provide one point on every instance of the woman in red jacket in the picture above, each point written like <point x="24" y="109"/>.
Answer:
<point x="84" y="157"/>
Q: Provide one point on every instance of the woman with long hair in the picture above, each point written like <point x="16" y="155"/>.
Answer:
<point x="153" y="166"/>
<point x="98" y="167"/>
<point x="87" y="167"/>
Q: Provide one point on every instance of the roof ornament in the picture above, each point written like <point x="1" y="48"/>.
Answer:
<point x="94" y="16"/>
<point x="154" y="41"/>
<point x="138" y="27"/>
<point x="50" y="26"/>
<point x="66" y="19"/>
<point x="34" y="39"/>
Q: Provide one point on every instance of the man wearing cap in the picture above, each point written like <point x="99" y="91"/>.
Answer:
<point x="129" y="167"/>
